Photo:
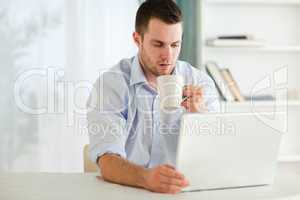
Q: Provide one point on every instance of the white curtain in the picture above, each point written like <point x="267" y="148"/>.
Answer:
<point x="50" y="54"/>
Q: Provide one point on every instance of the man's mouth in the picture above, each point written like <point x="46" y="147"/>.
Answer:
<point x="164" y="65"/>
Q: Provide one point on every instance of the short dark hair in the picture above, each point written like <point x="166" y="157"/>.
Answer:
<point x="165" y="10"/>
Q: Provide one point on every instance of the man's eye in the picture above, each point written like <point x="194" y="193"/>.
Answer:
<point x="157" y="45"/>
<point x="175" y="45"/>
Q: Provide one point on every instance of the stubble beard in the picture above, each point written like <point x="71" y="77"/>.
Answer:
<point x="147" y="65"/>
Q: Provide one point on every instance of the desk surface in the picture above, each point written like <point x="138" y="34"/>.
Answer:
<point x="44" y="186"/>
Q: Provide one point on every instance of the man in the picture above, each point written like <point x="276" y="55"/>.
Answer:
<point x="133" y="142"/>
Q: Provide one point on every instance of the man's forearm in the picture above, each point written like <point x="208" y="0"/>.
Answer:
<point x="118" y="170"/>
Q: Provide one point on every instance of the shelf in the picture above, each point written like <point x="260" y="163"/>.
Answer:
<point x="263" y="103"/>
<point x="261" y="2"/>
<point x="293" y="158"/>
<point x="279" y="49"/>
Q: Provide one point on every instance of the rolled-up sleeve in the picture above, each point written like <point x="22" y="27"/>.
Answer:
<point x="106" y="116"/>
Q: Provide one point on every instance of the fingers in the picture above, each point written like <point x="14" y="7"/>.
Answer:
<point x="192" y="90"/>
<point x="171" y="189"/>
<point x="171" y="181"/>
<point x="194" y="100"/>
<point x="169" y="172"/>
<point x="192" y="103"/>
<point x="174" y="181"/>
<point x="170" y="176"/>
<point x="169" y="166"/>
<point x="165" y="179"/>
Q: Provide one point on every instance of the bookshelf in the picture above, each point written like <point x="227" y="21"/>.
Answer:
<point x="273" y="21"/>
<point x="266" y="49"/>
<point x="276" y="22"/>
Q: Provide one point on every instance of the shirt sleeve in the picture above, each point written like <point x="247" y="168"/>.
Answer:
<point x="106" y="116"/>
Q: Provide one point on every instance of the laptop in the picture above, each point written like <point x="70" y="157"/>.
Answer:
<point x="219" y="151"/>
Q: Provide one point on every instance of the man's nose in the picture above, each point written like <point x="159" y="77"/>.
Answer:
<point x="166" y="53"/>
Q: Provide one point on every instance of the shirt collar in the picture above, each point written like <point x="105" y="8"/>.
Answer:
<point x="175" y="71"/>
<point x="137" y="74"/>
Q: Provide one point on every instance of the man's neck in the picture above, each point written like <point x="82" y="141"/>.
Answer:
<point x="150" y="77"/>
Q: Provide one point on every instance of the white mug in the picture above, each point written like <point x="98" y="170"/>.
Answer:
<point x="170" y="89"/>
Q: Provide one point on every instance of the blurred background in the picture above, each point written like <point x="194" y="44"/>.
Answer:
<point x="51" y="52"/>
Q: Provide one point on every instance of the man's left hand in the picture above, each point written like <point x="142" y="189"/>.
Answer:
<point x="193" y="101"/>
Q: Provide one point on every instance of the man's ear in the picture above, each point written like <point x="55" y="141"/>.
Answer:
<point x="137" y="38"/>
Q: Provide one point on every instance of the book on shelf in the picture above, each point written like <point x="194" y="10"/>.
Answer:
<point x="214" y="72"/>
<point x="237" y="40"/>
<point x="238" y="37"/>
<point x="235" y="43"/>
<point x="233" y="87"/>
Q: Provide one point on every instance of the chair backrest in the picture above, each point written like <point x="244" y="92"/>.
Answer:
<point x="88" y="166"/>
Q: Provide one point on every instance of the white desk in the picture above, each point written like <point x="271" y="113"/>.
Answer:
<point x="53" y="186"/>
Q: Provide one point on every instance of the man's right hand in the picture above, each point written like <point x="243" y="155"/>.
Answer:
<point x="164" y="179"/>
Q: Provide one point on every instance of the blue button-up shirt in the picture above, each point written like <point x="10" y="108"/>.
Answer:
<point x="124" y="116"/>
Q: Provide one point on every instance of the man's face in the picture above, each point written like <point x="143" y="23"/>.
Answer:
<point x="159" y="47"/>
